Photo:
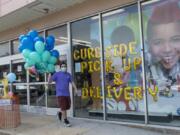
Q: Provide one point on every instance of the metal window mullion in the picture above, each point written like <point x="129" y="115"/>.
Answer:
<point x="28" y="91"/>
<point x="46" y="94"/>
<point x="102" y="65"/>
<point x="45" y="77"/>
<point x="70" y="63"/>
<point x="143" y="61"/>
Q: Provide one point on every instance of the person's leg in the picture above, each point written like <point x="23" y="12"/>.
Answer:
<point x="59" y="114"/>
<point x="66" y="106"/>
<point x="64" y="114"/>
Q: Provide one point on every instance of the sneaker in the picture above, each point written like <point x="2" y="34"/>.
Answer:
<point x="59" y="115"/>
<point x="67" y="123"/>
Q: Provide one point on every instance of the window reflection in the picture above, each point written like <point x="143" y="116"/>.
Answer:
<point x="86" y="57"/>
<point x="21" y="92"/>
<point x="123" y="74"/>
<point x="4" y="70"/>
<point x="14" y="46"/>
<point x="19" y="70"/>
<point x="37" y="95"/>
<point x="60" y="34"/>
<point x="51" y="99"/>
<point x="4" y="47"/>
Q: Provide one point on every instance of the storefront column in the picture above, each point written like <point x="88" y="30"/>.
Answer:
<point x="102" y="66"/>
<point x="69" y="63"/>
<point x="143" y="62"/>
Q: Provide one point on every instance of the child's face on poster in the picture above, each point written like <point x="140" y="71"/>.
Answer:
<point x="165" y="43"/>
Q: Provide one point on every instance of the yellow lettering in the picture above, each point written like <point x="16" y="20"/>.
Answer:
<point x="138" y="95"/>
<point x="109" y="91"/>
<point x="76" y="55"/>
<point x="90" y="53"/>
<point x="83" y="66"/>
<point x="127" y="91"/>
<point x="84" y="93"/>
<point x="117" y="79"/>
<point x="127" y="64"/>
<point x="83" y="53"/>
<point x="137" y="62"/>
<point x="96" y="65"/>
<point x="123" y="50"/>
<point x="132" y="47"/>
<point x="118" y="94"/>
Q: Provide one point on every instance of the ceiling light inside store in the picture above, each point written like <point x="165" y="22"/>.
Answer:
<point x="108" y="14"/>
<point x="150" y="2"/>
<point x="75" y="41"/>
<point x="113" y="12"/>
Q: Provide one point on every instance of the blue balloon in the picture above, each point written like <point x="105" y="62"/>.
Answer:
<point x="11" y="77"/>
<point x="20" y="48"/>
<point x="39" y="38"/>
<point x="27" y="43"/>
<point x="55" y="53"/>
<point x="50" y="40"/>
<point x="33" y="33"/>
<point x="21" y="37"/>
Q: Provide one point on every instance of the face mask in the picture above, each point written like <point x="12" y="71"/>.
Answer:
<point x="63" y="69"/>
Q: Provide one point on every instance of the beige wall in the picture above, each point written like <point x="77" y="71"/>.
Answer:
<point x="8" y="6"/>
<point x="88" y="7"/>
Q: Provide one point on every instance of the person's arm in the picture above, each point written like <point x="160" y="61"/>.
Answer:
<point x="50" y="80"/>
<point x="74" y="87"/>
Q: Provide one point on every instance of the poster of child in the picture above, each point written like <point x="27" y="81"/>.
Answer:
<point x="163" y="46"/>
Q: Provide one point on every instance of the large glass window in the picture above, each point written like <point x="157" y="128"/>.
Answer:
<point x="162" y="48"/>
<point x="19" y="70"/>
<point x="60" y="34"/>
<point x="4" y="70"/>
<point x="21" y="91"/>
<point x="37" y="95"/>
<point x="86" y="65"/>
<point x="123" y="70"/>
<point x="4" y="49"/>
<point x="14" y="46"/>
<point x="51" y="97"/>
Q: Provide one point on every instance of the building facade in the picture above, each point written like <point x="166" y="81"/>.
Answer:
<point x="123" y="55"/>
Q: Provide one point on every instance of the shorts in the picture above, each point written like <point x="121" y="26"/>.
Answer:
<point x="64" y="102"/>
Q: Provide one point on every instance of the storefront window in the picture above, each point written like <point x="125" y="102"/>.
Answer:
<point x="86" y="65"/>
<point x="4" y="69"/>
<point x="162" y="46"/>
<point x="37" y="95"/>
<point x="60" y="34"/>
<point x="51" y="97"/>
<point x="19" y="70"/>
<point x="123" y="70"/>
<point x="14" y="46"/>
<point x="21" y="92"/>
<point x="40" y="77"/>
<point x="4" y="47"/>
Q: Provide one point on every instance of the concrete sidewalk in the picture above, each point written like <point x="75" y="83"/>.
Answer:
<point x="33" y="124"/>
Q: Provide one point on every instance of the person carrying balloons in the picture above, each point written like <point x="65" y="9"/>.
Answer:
<point x="63" y="79"/>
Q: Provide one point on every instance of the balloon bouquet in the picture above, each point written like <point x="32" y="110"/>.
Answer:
<point x="38" y="53"/>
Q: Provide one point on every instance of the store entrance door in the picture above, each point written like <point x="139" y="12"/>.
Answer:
<point x="52" y="106"/>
